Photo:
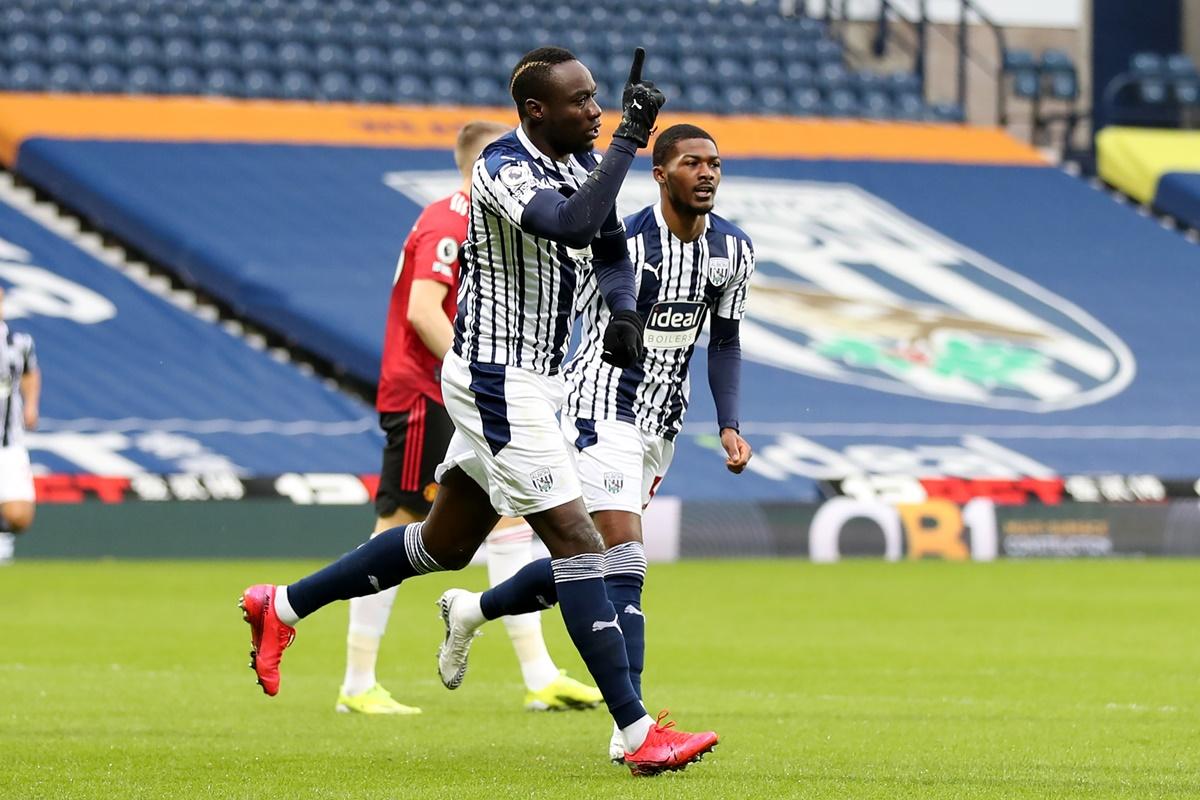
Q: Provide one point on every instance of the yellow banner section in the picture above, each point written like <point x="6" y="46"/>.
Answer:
<point x="23" y="116"/>
<point x="1133" y="159"/>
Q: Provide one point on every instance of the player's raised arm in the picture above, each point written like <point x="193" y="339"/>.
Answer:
<point x="576" y="220"/>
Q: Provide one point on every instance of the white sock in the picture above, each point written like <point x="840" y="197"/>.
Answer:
<point x="467" y="609"/>
<point x="7" y="538"/>
<point x="509" y="549"/>
<point x="636" y="733"/>
<point x="283" y="609"/>
<point x="368" y="622"/>
<point x="537" y="668"/>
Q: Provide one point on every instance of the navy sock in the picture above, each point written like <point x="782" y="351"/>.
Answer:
<point x="593" y="626"/>
<point x="624" y="575"/>
<point x="377" y="564"/>
<point x="531" y="589"/>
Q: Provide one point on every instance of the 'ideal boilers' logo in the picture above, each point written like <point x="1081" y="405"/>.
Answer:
<point x="673" y="324"/>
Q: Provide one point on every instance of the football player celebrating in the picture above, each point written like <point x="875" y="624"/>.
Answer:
<point x="622" y="422"/>
<point x="542" y="208"/>
<point x="418" y="429"/>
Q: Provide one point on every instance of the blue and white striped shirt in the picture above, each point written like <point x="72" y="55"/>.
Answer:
<point x="678" y="284"/>
<point x="516" y="296"/>
<point x="17" y="358"/>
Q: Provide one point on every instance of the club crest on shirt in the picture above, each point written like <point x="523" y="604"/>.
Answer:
<point x="719" y="271"/>
<point x="543" y="479"/>
<point x="614" y="482"/>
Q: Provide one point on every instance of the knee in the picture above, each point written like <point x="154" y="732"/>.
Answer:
<point x="19" y="517"/>
<point x="452" y="559"/>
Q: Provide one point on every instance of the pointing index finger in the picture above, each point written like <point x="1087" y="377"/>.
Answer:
<point x="635" y="71"/>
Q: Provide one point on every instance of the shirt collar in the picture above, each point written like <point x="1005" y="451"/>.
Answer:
<point x="662" y="223"/>
<point x="528" y="145"/>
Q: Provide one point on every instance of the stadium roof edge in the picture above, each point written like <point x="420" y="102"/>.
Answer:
<point x="100" y="117"/>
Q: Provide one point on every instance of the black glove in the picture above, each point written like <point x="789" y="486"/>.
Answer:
<point x="623" y="340"/>
<point x="640" y="103"/>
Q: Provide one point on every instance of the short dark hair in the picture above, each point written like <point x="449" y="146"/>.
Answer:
<point x="672" y="136"/>
<point x="529" y="76"/>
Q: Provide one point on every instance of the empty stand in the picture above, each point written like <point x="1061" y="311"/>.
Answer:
<point x="134" y="382"/>
<point x="749" y="58"/>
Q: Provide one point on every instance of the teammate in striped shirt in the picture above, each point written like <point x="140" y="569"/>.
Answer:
<point x="622" y="423"/>
<point x="418" y="429"/>
<point x="21" y="382"/>
<point x="546" y="209"/>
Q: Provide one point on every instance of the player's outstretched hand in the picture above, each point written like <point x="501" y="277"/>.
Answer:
<point x="640" y="103"/>
<point x="737" y="450"/>
<point x="623" y="340"/>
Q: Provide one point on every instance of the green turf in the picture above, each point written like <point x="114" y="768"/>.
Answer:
<point x="929" y="680"/>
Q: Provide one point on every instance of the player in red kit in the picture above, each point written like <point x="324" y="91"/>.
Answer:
<point x="411" y="413"/>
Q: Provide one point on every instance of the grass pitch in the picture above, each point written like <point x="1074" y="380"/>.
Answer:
<point x="873" y="680"/>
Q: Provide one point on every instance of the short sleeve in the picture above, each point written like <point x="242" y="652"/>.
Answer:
<point x="435" y="255"/>
<point x="505" y="183"/>
<point x="731" y="303"/>
<point x="30" y="353"/>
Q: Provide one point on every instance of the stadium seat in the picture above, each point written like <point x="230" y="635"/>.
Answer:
<point x="832" y="76"/>
<point x="215" y="53"/>
<point x="260" y="83"/>
<point x="62" y="47"/>
<point x="729" y="70"/>
<point x="805" y="101"/>
<point x="447" y="90"/>
<point x="410" y="89"/>
<point x="1186" y="91"/>
<point x="865" y="80"/>
<point x="102" y="48"/>
<point x="1018" y="60"/>
<point x="908" y="107"/>
<point x="142" y="50"/>
<point x="1146" y="64"/>
<point x="183" y="80"/>
<point x="105" y="79"/>
<point x="738" y="99"/>
<point x="369" y="58"/>
<point x="772" y="100"/>
<point x="798" y="73"/>
<point x="700" y="97"/>
<point x="295" y="55"/>
<point x="1152" y="90"/>
<point x="1063" y="85"/>
<point x="904" y="83"/>
<point x="946" y="112"/>
<point x="335" y="86"/>
<point x="842" y="103"/>
<point x="222" y="81"/>
<point x="66" y="77"/>
<point x="443" y="61"/>
<point x="876" y="104"/>
<point x="767" y="72"/>
<point x="23" y="45"/>
<point x="178" y="51"/>
<point x="331" y="57"/>
<point x="27" y="76"/>
<point x="827" y="51"/>
<point x="144" y="79"/>
<point x="296" y="84"/>
<point x="255" y="54"/>
<point x="1025" y="83"/>
<point x="1180" y="65"/>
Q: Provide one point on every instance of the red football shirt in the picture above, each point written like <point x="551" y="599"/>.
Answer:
<point x="430" y="253"/>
